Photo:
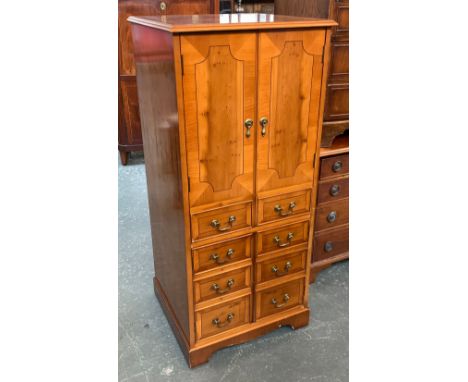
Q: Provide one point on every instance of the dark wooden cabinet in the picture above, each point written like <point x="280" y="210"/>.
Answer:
<point x="129" y="115"/>
<point x="336" y="115"/>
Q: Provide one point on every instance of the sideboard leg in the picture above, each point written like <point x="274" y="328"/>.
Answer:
<point x="124" y="157"/>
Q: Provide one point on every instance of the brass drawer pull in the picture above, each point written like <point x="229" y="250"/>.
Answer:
<point x="220" y="324"/>
<point x="162" y="6"/>
<point x="227" y="258"/>
<point x="337" y="166"/>
<point x="334" y="190"/>
<point x="285" y="301"/>
<point x="290" y="210"/>
<point x="328" y="247"/>
<point x="331" y="217"/>
<point x="248" y="123"/>
<point x="278" y="273"/>
<point x="263" y="123"/>
<point x="217" y="225"/>
<point x="229" y="285"/>
<point x="277" y="240"/>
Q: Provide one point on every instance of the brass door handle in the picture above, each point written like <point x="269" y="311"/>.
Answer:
<point x="220" y="324"/>
<point x="290" y="210"/>
<point x="227" y="258"/>
<point x="217" y="225"/>
<point x="278" y="273"/>
<point x="277" y="240"/>
<point x="263" y="123"/>
<point x="248" y="123"/>
<point x="229" y="285"/>
<point x="285" y="301"/>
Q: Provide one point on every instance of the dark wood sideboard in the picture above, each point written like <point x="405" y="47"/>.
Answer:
<point x="336" y="115"/>
<point x="129" y="115"/>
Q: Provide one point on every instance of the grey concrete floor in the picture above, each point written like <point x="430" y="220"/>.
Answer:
<point x="148" y="351"/>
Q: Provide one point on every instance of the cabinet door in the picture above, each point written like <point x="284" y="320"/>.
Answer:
<point x="219" y="95"/>
<point x="290" y="82"/>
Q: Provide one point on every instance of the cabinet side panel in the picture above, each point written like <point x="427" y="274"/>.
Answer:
<point x="154" y="61"/>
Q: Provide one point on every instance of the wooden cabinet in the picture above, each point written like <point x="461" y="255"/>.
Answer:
<point x="129" y="115"/>
<point x="336" y="115"/>
<point x="331" y="229"/>
<point x="231" y="108"/>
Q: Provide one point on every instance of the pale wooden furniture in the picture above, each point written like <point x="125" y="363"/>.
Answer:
<point x="231" y="155"/>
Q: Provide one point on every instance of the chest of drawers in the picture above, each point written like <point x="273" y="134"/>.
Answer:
<point x="231" y="162"/>
<point x="332" y="211"/>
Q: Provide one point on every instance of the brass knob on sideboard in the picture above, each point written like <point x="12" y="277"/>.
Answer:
<point x="328" y="247"/>
<point x="334" y="190"/>
<point x="337" y="166"/>
<point x="331" y="217"/>
<point x="162" y="6"/>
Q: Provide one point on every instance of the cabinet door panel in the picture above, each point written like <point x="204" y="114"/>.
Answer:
<point x="131" y="110"/>
<point x="290" y="81"/>
<point x="219" y="94"/>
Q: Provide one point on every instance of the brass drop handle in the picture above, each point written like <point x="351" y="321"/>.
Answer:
<point x="290" y="210"/>
<point x="248" y="123"/>
<point x="263" y="123"/>
<point x="277" y="240"/>
<point x="217" y="289"/>
<point x="217" y="225"/>
<point x="328" y="247"/>
<point x="162" y="6"/>
<point x="278" y="273"/>
<point x="220" y="324"/>
<point x="331" y="216"/>
<point x="337" y="166"/>
<point x="285" y="301"/>
<point x="217" y="260"/>
<point x="334" y="190"/>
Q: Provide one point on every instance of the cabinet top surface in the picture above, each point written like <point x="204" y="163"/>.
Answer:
<point x="233" y="21"/>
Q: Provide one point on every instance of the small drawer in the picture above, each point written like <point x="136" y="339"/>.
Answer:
<point x="283" y="237"/>
<point x="221" y="220"/>
<point x="330" y="243"/>
<point x="329" y="215"/>
<point x="279" y="298"/>
<point x="269" y="268"/>
<point x="219" y="255"/>
<point x="334" y="166"/>
<point x="332" y="190"/>
<point x="221" y="285"/>
<point x="222" y="317"/>
<point x="279" y="207"/>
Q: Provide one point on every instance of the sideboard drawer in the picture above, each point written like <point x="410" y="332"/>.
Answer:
<point x="271" y="268"/>
<point x="331" y="243"/>
<point x="334" y="166"/>
<point x="218" y="255"/>
<point x="283" y="237"/>
<point x="329" y="215"/>
<point x="279" y="298"/>
<point x="281" y="206"/>
<point x="333" y="189"/>
<point x="221" y="285"/>
<point x="222" y="317"/>
<point x="221" y="220"/>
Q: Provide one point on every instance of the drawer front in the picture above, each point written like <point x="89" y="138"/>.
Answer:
<point x="277" y="267"/>
<point x="222" y="317"/>
<point x="333" y="189"/>
<point x="330" y="243"/>
<point x="221" y="220"/>
<point x="283" y="237"/>
<point x="281" y="297"/>
<point x="279" y="207"/>
<point x="334" y="166"/>
<point x="221" y="285"/>
<point x="332" y="214"/>
<point x="219" y="255"/>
